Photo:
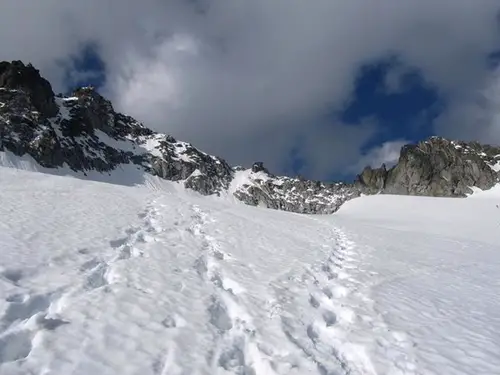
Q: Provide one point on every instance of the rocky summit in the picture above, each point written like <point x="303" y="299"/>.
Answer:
<point x="83" y="132"/>
<point x="436" y="167"/>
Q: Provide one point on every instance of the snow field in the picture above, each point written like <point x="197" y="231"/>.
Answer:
<point x="152" y="279"/>
<point x="435" y="283"/>
<point x="107" y="279"/>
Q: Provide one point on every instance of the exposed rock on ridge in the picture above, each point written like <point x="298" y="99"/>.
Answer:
<point x="177" y="161"/>
<point x="83" y="132"/>
<point x="436" y="167"/>
<point x="16" y="75"/>
<point x="258" y="187"/>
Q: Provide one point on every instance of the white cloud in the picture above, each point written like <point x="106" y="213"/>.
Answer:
<point x="387" y="153"/>
<point x="476" y="115"/>
<point x="493" y="95"/>
<point x="248" y="79"/>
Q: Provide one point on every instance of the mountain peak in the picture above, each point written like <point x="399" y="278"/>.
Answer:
<point x="436" y="167"/>
<point x="16" y="75"/>
<point x="85" y="133"/>
<point x="258" y="166"/>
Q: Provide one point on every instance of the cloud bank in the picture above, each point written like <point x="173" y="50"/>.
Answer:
<point x="387" y="153"/>
<point x="262" y="80"/>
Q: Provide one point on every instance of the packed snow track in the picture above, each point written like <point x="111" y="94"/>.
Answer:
<point x="100" y="278"/>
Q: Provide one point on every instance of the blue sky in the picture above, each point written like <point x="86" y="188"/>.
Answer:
<point x="406" y="112"/>
<point x="86" y="68"/>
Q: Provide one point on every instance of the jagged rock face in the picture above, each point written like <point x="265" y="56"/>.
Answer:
<point x="292" y="194"/>
<point x="436" y="167"/>
<point x="68" y="138"/>
<point x="373" y="180"/>
<point x="25" y="130"/>
<point x="17" y="76"/>
<point x="258" y="166"/>
<point x="84" y="132"/>
<point x="178" y="161"/>
<point x="85" y="120"/>
<point x="89" y="111"/>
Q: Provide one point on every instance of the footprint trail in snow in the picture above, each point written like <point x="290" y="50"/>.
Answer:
<point x="106" y="279"/>
<point x="181" y="292"/>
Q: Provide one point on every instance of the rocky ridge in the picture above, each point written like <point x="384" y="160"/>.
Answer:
<point x="436" y="167"/>
<point x="83" y="132"/>
<point x="258" y="187"/>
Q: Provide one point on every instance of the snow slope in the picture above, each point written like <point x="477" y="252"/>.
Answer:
<point x="437" y="262"/>
<point x="148" y="278"/>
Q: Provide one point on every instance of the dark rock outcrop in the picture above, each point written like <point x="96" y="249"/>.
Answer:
<point x="292" y="194"/>
<point x="83" y="131"/>
<point x="178" y="161"/>
<point x="258" y="166"/>
<point x="17" y="76"/>
<point x="373" y="180"/>
<point x="67" y="138"/>
<point x="436" y="167"/>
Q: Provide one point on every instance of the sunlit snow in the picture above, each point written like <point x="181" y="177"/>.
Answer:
<point x="144" y="277"/>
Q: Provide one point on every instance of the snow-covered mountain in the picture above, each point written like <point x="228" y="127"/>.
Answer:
<point x="82" y="132"/>
<point x="109" y="265"/>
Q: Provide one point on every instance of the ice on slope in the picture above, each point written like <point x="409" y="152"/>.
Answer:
<point x="107" y="279"/>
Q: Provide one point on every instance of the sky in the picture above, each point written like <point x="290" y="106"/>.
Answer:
<point x="320" y="88"/>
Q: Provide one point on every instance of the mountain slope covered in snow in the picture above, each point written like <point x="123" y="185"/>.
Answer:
<point x="151" y="278"/>
<point x="82" y="132"/>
